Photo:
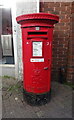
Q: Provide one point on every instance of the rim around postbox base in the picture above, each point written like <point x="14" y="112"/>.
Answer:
<point x="36" y="99"/>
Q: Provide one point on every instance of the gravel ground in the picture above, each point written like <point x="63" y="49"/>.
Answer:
<point x="14" y="106"/>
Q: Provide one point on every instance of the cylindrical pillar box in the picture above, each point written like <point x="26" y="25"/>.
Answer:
<point x="37" y="33"/>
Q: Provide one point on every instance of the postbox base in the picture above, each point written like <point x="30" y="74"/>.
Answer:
<point x="36" y="99"/>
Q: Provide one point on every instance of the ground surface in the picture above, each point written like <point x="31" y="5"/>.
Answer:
<point x="14" y="106"/>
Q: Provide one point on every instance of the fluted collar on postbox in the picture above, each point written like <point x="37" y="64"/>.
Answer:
<point x="37" y="19"/>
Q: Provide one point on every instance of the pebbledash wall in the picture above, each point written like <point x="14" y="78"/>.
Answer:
<point x="22" y="7"/>
<point x="63" y="50"/>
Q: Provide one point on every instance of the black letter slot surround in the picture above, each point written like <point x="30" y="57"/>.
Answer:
<point x="37" y="34"/>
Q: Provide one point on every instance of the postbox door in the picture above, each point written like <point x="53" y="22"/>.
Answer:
<point x="37" y="65"/>
<point x="41" y="53"/>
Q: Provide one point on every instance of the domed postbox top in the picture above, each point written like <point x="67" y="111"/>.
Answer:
<point x="51" y="18"/>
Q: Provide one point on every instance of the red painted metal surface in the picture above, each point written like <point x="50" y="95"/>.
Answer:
<point x="37" y="74"/>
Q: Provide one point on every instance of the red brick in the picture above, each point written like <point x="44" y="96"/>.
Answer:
<point x="62" y="52"/>
<point x="51" y="4"/>
<point x="57" y="4"/>
<point x="65" y="4"/>
<point x="65" y="20"/>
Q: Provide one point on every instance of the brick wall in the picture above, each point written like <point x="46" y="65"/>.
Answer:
<point x="63" y="51"/>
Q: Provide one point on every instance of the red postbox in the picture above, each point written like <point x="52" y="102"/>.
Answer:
<point x="37" y="34"/>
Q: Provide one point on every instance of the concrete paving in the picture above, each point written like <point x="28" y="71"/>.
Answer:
<point x="7" y="69"/>
<point x="14" y="106"/>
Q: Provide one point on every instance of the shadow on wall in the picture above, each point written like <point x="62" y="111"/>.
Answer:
<point x="59" y="57"/>
<point x="61" y="37"/>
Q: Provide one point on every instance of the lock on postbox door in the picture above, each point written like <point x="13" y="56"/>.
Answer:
<point x="37" y="32"/>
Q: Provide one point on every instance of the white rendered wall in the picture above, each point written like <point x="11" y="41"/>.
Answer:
<point x="21" y="7"/>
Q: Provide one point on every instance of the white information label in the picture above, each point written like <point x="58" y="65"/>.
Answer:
<point x="37" y="49"/>
<point x="37" y="60"/>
